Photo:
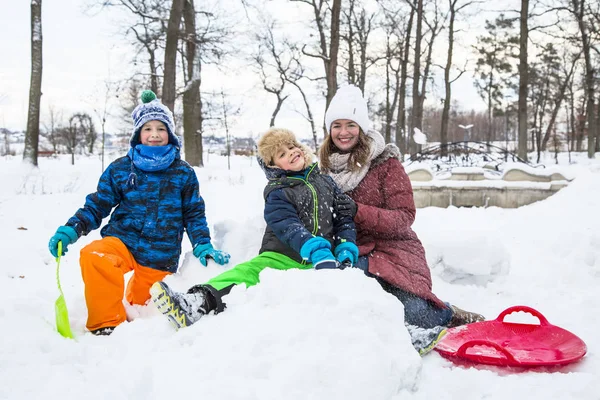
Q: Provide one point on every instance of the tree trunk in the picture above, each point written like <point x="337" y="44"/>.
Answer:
<point x="561" y="95"/>
<point x="523" y="81"/>
<point x="170" y="65"/>
<point x="280" y="101"/>
<point x="401" y="134"/>
<point x="598" y="130"/>
<point x="350" y="41"/>
<point x="579" y="9"/>
<point x="447" y="83"/>
<point x="192" y="105"/>
<point x="363" y="35"/>
<point x="32" y="136"/>
<point x="334" y="46"/>
<point x="388" y="107"/>
<point x="416" y="98"/>
<point x="153" y="73"/>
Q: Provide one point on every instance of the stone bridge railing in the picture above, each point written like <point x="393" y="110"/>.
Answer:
<point x="516" y="186"/>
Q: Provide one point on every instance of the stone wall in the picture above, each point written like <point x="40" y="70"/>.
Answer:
<point x="475" y="187"/>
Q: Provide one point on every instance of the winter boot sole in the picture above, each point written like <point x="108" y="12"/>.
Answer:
<point x="163" y="300"/>
<point x="431" y="346"/>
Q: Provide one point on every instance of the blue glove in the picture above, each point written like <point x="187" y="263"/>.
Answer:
<point x="346" y="252"/>
<point x="64" y="234"/>
<point x="317" y="251"/>
<point x="204" y="251"/>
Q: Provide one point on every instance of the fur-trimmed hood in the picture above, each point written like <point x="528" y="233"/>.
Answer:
<point x="389" y="151"/>
<point x="270" y="142"/>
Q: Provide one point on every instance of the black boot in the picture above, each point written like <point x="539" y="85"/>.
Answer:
<point x="182" y="309"/>
<point x="106" y="331"/>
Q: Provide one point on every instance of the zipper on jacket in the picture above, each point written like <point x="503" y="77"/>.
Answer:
<point x="315" y="200"/>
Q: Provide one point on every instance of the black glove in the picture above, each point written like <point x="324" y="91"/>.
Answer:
<point x="345" y="206"/>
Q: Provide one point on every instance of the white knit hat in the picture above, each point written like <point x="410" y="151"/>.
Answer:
<point x="348" y="103"/>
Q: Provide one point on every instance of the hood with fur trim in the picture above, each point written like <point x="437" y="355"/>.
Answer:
<point x="272" y="140"/>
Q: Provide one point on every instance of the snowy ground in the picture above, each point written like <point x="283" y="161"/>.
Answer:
<point x="299" y="334"/>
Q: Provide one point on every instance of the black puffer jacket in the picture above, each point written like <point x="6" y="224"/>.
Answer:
<point x="300" y="205"/>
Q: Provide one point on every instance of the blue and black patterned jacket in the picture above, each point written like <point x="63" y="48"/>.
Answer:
<point x="150" y="214"/>
<point x="300" y="205"/>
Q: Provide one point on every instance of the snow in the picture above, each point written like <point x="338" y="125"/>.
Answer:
<point x="298" y="334"/>
<point x="419" y="137"/>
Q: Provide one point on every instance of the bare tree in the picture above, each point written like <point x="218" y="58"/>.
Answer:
<point x="88" y="130"/>
<point x="494" y="69"/>
<point x="393" y="48"/>
<point x="32" y="136"/>
<point x="72" y="136"/>
<point x="358" y="26"/>
<point x="579" y="12"/>
<point x="454" y="8"/>
<point x="55" y="121"/>
<point x="226" y="110"/>
<point x="523" y="79"/>
<point x="296" y="75"/>
<point x="559" y="96"/>
<point x="274" y="65"/>
<point x="417" y="112"/>
<point x="192" y="103"/>
<point x="328" y="52"/>
<point x="149" y="31"/>
<point x="6" y="134"/>
<point x="170" y="64"/>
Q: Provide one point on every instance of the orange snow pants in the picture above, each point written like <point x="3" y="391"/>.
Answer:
<point x="103" y="264"/>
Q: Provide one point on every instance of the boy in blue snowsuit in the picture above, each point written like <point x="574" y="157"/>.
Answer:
<point x="155" y="196"/>
<point x="309" y="225"/>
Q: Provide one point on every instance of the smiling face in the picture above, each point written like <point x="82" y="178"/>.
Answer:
<point x="154" y="133"/>
<point x="289" y="158"/>
<point x="344" y="134"/>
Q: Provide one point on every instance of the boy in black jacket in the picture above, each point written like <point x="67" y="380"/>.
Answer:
<point x="309" y="225"/>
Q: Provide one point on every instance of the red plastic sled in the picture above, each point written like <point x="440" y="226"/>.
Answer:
<point x="512" y="344"/>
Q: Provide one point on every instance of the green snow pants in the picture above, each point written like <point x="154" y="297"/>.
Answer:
<point x="248" y="272"/>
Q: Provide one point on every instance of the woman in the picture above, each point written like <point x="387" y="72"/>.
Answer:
<point x="370" y="172"/>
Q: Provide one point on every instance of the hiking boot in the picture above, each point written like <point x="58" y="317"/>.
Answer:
<point x="181" y="309"/>
<point x="462" y="317"/>
<point x="106" y="331"/>
<point x="423" y="339"/>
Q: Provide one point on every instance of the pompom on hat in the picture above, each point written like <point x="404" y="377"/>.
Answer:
<point x="273" y="139"/>
<point x="152" y="109"/>
<point x="348" y="103"/>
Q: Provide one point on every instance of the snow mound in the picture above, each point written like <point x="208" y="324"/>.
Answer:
<point x="310" y="334"/>
<point x="298" y="334"/>
<point x="467" y="257"/>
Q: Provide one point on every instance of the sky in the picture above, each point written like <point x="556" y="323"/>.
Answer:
<point x="80" y="51"/>
<point x="298" y="334"/>
<point x="83" y="49"/>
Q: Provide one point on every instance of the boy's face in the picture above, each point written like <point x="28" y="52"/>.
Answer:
<point x="289" y="158"/>
<point x="154" y="133"/>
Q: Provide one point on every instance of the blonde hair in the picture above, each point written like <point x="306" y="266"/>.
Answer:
<point x="358" y="155"/>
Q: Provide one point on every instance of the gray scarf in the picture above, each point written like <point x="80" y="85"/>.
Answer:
<point x="342" y="175"/>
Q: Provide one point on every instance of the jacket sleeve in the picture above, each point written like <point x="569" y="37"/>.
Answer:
<point x="98" y="205"/>
<point x="283" y="219"/>
<point x="343" y="225"/>
<point x="395" y="218"/>
<point x="194" y="217"/>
